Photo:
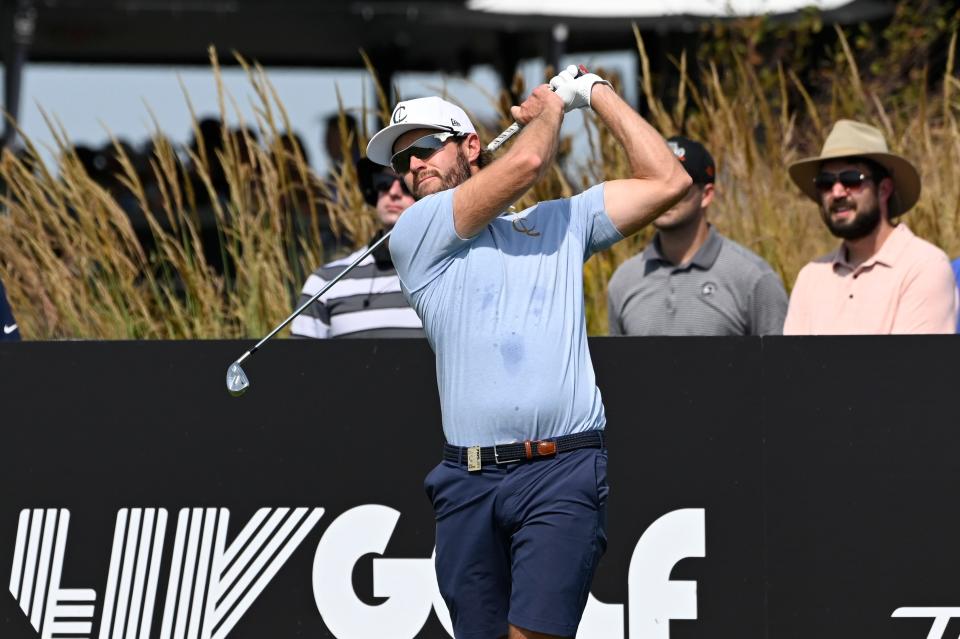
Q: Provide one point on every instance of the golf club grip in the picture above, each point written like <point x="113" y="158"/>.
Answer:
<point x="513" y="128"/>
<point x="503" y="137"/>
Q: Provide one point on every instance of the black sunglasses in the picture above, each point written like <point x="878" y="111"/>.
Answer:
<point x="383" y="182"/>
<point x="420" y="149"/>
<point x="851" y="179"/>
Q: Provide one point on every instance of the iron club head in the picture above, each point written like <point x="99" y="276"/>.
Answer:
<point x="237" y="382"/>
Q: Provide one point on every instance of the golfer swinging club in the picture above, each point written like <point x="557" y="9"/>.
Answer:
<point x="520" y="496"/>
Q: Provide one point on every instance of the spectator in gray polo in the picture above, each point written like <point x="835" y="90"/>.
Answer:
<point x="690" y="280"/>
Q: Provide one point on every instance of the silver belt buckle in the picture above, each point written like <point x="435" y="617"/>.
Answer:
<point x="473" y="458"/>
<point x="496" y="458"/>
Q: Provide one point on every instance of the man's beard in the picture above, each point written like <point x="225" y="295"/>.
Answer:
<point x="459" y="174"/>
<point x="861" y="225"/>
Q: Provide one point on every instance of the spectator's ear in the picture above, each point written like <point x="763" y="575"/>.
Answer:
<point x="706" y="195"/>
<point x="885" y="191"/>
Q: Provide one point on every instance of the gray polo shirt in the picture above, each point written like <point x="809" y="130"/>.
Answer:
<point x="724" y="290"/>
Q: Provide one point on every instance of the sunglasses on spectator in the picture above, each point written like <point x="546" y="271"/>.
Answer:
<point x="420" y="149"/>
<point x="851" y="179"/>
<point x="383" y="182"/>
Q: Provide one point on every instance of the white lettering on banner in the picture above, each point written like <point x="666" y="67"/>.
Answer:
<point x="211" y="584"/>
<point x="654" y="599"/>
<point x="214" y="600"/>
<point x="410" y="584"/>
<point x="135" y="585"/>
<point x="941" y="617"/>
<point x="35" y="576"/>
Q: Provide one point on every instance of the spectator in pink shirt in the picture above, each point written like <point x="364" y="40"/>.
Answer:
<point x="882" y="279"/>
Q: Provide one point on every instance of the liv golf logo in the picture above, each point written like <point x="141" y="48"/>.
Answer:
<point x="212" y="584"/>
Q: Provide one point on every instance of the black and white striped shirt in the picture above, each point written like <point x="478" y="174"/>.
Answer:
<point x="367" y="302"/>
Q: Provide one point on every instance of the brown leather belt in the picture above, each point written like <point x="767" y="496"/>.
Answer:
<point x="476" y="456"/>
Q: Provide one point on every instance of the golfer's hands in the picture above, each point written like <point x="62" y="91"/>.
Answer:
<point x="574" y="86"/>
<point x="540" y="101"/>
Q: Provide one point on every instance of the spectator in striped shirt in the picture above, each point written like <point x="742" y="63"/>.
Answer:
<point x="368" y="301"/>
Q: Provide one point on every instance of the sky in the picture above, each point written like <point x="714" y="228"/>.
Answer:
<point x="87" y="100"/>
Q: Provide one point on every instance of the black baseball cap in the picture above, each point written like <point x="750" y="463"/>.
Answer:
<point x="695" y="159"/>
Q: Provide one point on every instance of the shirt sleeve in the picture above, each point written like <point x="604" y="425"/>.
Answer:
<point x="928" y="303"/>
<point x="768" y="305"/>
<point x="425" y="241"/>
<point x="590" y="219"/>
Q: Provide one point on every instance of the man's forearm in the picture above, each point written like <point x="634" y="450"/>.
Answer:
<point x="656" y="182"/>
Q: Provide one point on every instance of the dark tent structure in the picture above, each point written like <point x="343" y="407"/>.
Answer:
<point x="435" y="35"/>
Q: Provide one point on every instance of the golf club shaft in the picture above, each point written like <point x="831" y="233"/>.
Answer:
<point x="317" y="295"/>
<point x="493" y="146"/>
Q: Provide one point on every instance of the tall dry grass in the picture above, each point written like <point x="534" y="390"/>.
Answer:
<point x="73" y="266"/>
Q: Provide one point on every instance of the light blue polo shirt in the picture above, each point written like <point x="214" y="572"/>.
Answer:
<point x="504" y="314"/>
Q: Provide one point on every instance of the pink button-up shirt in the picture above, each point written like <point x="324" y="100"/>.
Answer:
<point x="906" y="287"/>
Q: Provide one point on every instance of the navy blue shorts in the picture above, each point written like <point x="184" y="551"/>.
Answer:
<point x="520" y="542"/>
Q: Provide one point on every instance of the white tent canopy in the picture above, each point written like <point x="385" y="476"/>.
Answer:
<point x="648" y="8"/>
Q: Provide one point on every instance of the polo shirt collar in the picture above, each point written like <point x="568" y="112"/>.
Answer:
<point x="888" y="254"/>
<point x="704" y="258"/>
<point x="652" y="252"/>
<point x="709" y="252"/>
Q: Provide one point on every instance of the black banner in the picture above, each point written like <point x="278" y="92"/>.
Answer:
<point x="759" y="488"/>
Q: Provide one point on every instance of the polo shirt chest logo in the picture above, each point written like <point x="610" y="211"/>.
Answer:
<point x="708" y="289"/>
<point x="521" y="227"/>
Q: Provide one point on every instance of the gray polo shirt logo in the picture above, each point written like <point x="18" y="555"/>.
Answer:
<point x="708" y="289"/>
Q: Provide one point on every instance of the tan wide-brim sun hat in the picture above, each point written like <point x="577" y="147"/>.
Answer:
<point x="855" y="139"/>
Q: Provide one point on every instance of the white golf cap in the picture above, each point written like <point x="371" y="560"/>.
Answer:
<point x="421" y="113"/>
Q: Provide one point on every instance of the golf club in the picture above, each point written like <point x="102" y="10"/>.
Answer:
<point x="237" y="380"/>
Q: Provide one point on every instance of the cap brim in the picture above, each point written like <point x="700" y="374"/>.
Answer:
<point x="905" y="176"/>
<point x="380" y="147"/>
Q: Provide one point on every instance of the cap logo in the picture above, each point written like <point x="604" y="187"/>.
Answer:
<point x="678" y="151"/>
<point x="454" y="122"/>
<point x="399" y="114"/>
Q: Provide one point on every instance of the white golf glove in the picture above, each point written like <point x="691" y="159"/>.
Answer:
<point x="573" y="90"/>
